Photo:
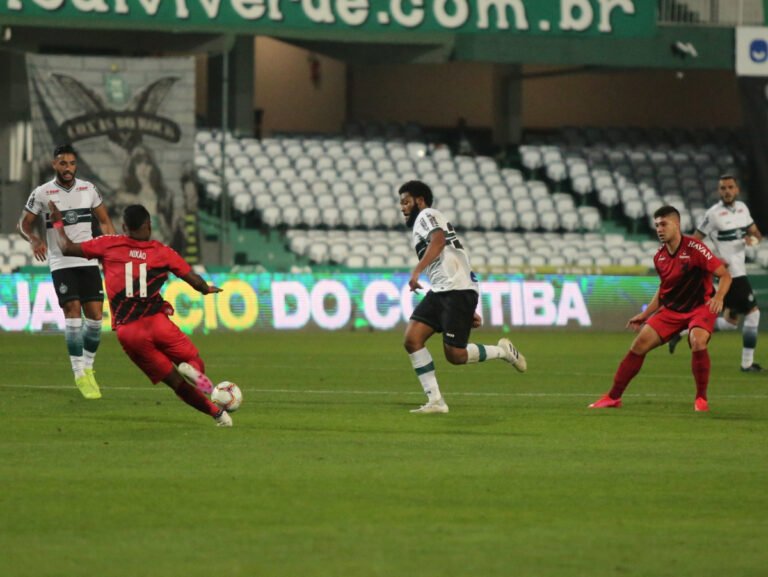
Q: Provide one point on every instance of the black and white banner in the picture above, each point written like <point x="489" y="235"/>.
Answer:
<point x="132" y="122"/>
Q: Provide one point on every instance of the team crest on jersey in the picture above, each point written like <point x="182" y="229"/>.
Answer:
<point x="70" y="217"/>
<point x="63" y="288"/>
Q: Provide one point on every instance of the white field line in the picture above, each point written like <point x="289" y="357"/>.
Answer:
<point x="143" y="388"/>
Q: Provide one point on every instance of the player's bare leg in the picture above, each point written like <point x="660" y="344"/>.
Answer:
<point x="646" y="340"/>
<point x="196" y="399"/>
<point x="416" y="336"/>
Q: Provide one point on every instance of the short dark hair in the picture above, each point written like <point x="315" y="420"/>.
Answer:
<point x="64" y="149"/>
<point x="417" y="189"/>
<point x="134" y="216"/>
<point x="728" y="177"/>
<point x="666" y="210"/>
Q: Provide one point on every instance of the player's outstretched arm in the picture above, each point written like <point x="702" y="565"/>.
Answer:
<point x="435" y="247"/>
<point x="716" y="303"/>
<point x="198" y="283"/>
<point x="68" y="248"/>
<point x="27" y="227"/>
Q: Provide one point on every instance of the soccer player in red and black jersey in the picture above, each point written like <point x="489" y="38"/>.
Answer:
<point x="685" y="300"/>
<point x="135" y="269"/>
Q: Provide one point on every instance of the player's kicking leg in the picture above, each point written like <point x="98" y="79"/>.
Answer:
<point x="503" y="350"/>
<point x="196" y="399"/>
<point x="194" y="375"/>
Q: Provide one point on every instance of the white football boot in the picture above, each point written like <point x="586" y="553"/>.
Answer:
<point x="438" y="406"/>
<point x="223" y="420"/>
<point x="514" y="357"/>
<point x="195" y="378"/>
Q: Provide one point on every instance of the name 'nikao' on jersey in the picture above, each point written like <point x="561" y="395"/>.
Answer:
<point x="451" y="270"/>
<point x="76" y="205"/>
<point x="724" y="228"/>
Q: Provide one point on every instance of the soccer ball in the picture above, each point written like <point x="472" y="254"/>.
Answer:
<point x="228" y="396"/>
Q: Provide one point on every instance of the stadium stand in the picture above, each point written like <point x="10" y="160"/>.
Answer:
<point x="15" y="253"/>
<point x="334" y="197"/>
<point x="634" y="171"/>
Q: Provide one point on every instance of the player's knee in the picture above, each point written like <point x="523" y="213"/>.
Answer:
<point x="455" y="356"/>
<point x="412" y="344"/>
<point x="698" y="341"/>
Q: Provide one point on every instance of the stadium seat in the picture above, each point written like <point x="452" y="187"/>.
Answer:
<point x="330" y="217"/>
<point x="529" y="220"/>
<point x="271" y="216"/>
<point x="311" y="216"/>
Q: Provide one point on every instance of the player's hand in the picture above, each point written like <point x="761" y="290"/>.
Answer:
<point x="39" y="248"/>
<point x="213" y="289"/>
<point x="414" y="283"/>
<point x="636" y="322"/>
<point x="476" y="321"/>
<point x="55" y="212"/>
<point x="715" y="306"/>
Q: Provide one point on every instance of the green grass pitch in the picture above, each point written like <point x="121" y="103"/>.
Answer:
<point x="326" y="473"/>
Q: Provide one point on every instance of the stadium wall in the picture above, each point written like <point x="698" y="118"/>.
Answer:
<point x="439" y="94"/>
<point x="694" y="99"/>
<point x="299" y="91"/>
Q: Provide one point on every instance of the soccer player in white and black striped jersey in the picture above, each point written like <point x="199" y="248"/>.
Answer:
<point x="727" y="228"/>
<point x="449" y="307"/>
<point x="77" y="280"/>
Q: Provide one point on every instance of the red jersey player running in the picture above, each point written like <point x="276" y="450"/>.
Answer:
<point x="135" y="269"/>
<point x="684" y="300"/>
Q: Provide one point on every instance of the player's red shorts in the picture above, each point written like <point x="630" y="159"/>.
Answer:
<point x="154" y="344"/>
<point x="667" y="323"/>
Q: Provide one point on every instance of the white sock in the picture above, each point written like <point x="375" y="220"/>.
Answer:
<point x="749" y="338"/>
<point x="422" y="363"/>
<point x="73" y="334"/>
<point x="482" y="353"/>
<point x="723" y="325"/>
<point x="91" y="340"/>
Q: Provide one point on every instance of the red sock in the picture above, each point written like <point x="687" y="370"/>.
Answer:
<point x="700" y="366"/>
<point x="627" y="370"/>
<point x="195" y="398"/>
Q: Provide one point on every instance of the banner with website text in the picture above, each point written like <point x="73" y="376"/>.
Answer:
<point x="544" y="17"/>
<point x="378" y="301"/>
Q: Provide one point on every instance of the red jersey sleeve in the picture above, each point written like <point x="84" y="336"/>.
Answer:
<point x="176" y="264"/>
<point x="704" y="257"/>
<point x="97" y="247"/>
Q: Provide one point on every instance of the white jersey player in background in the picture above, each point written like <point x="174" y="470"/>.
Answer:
<point x="449" y="307"/>
<point x="727" y="228"/>
<point x="77" y="280"/>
